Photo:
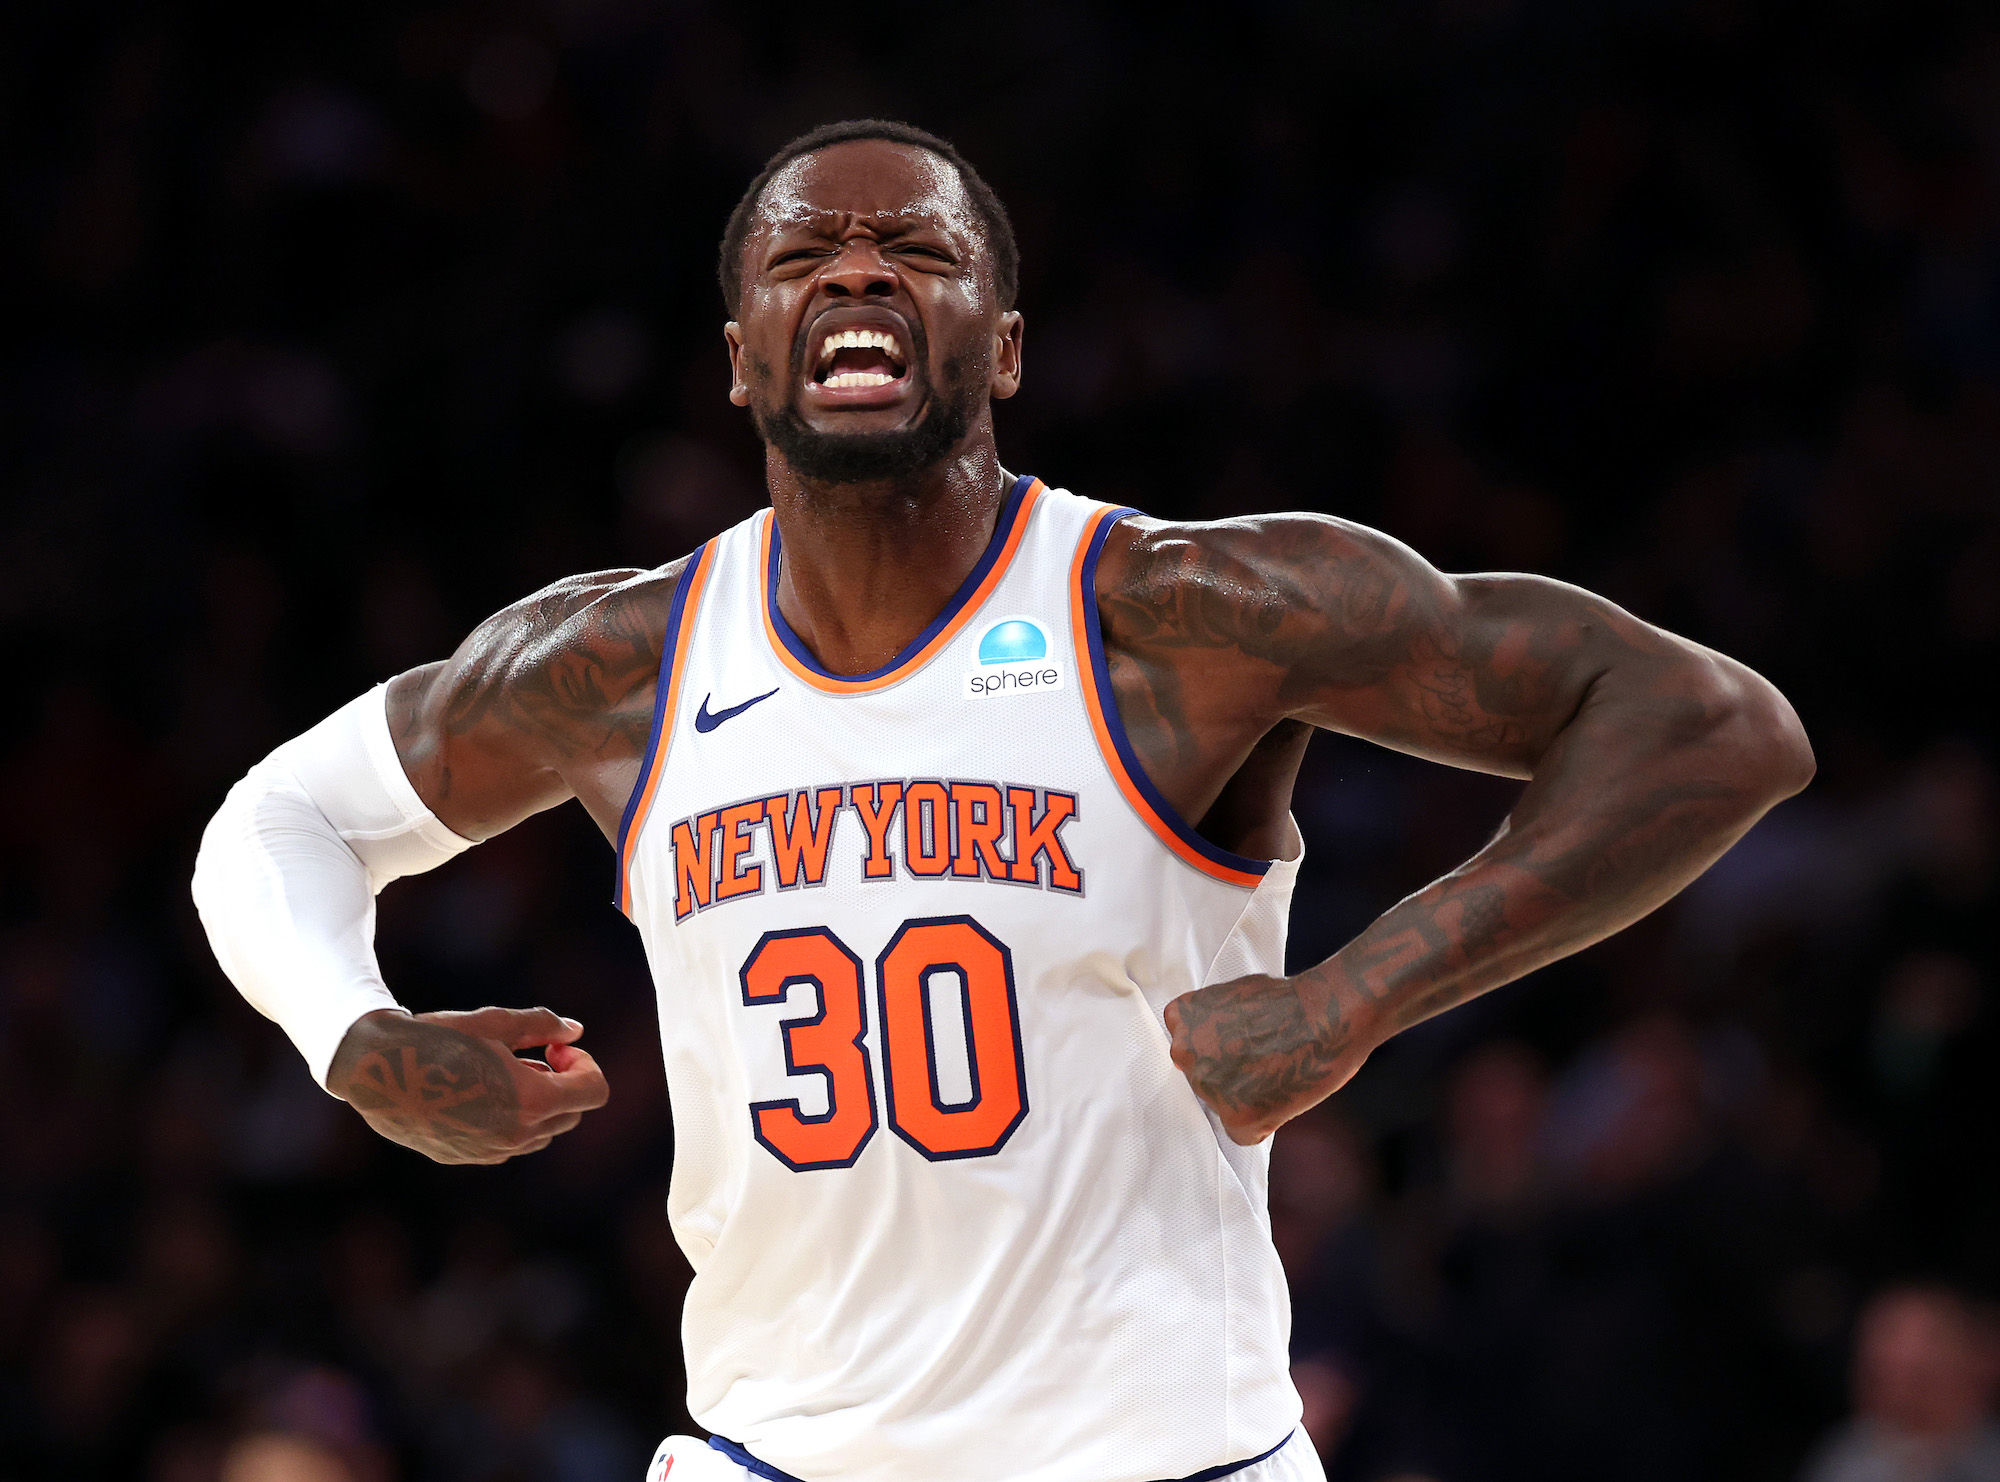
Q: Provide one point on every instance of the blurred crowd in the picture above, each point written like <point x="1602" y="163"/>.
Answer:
<point x="332" y="328"/>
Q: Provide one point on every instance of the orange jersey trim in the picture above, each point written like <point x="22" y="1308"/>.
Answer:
<point x="673" y="664"/>
<point x="947" y="626"/>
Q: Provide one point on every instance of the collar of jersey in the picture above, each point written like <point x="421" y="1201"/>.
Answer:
<point x="972" y="592"/>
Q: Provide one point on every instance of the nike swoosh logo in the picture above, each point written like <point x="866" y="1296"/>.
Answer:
<point x="706" y="722"/>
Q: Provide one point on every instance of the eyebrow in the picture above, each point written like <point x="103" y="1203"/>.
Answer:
<point x="822" y="223"/>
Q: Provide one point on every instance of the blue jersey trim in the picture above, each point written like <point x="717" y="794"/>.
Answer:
<point x="663" y="693"/>
<point x="748" y="1462"/>
<point x="1010" y="511"/>
<point x="1100" y="673"/>
<point x="758" y="1468"/>
<point x="1236" y="1466"/>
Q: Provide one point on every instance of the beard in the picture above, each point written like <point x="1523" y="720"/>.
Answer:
<point x="871" y="457"/>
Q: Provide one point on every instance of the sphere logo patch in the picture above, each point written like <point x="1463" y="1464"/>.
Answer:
<point x="1014" y="659"/>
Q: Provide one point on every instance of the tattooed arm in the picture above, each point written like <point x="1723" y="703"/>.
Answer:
<point x="1648" y="756"/>
<point x="548" y="700"/>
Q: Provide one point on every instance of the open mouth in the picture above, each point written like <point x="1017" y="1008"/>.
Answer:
<point x="860" y="360"/>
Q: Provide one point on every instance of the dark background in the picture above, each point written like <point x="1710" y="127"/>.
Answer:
<point x="331" y="328"/>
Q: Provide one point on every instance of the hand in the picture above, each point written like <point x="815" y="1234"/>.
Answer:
<point x="1261" y="1050"/>
<point x="450" y="1085"/>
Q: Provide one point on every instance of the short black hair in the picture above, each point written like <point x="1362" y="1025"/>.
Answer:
<point x="992" y="215"/>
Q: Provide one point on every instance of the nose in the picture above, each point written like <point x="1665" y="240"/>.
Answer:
<point x="859" y="271"/>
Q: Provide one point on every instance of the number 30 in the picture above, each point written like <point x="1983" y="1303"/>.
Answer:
<point x="925" y="954"/>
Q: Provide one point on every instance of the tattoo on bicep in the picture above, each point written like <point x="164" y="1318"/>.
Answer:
<point x="1176" y="595"/>
<point x="1488" y="667"/>
<point x="1456" y="707"/>
<point x="1154" y="712"/>
<point x="573" y="667"/>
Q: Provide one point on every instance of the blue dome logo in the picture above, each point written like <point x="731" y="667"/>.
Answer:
<point x="1011" y="641"/>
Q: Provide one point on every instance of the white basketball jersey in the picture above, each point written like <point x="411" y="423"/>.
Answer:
<point x="953" y="1213"/>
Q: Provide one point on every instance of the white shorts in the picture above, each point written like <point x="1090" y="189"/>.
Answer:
<point x="685" y="1459"/>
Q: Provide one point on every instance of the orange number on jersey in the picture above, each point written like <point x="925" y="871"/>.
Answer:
<point x="951" y="954"/>
<point x="828" y="1042"/>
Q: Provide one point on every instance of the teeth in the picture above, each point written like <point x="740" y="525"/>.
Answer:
<point x="860" y="339"/>
<point x="859" y="378"/>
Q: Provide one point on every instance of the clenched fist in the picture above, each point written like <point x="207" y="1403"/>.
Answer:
<point x="1261" y="1050"/>
<point x="450" y="1085"/>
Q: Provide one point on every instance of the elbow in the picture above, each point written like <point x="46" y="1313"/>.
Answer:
<point x="205" y="885"/>
<point x="1769" y="754"/>
<point x="1783" y="762"/>
<point x="1800" y="764"/>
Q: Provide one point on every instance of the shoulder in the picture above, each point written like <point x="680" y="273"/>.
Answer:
<point x="590" y="618"/>
<point x="549" y="698"/>
<point x="559" y="665"/>
<point x="1238" y="581"/>
<point x="572" y="609"/>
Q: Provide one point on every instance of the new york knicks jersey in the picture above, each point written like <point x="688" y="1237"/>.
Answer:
<point x="953" y="1213"/>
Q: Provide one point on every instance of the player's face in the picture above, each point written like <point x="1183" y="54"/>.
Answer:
<point x="868" y="339"/>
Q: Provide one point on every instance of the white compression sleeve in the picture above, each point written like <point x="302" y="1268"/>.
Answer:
<point x="289" y="866"/>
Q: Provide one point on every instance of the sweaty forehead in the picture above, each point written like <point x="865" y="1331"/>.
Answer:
<point x="870" y="178"/>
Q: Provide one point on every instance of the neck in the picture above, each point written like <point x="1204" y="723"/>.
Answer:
<point x="867" y="566"/>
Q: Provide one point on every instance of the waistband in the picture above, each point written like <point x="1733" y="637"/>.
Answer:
<point x="764" y="1469"/>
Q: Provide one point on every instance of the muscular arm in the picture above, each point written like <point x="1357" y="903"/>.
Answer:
<point x="1648" y="756"/>
<point x="547" y="700"/>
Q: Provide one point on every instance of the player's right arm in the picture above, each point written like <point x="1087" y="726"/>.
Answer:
<point x="547" y="700"/>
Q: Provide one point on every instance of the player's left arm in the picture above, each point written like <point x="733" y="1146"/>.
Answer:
<point x="1647" y="757"/>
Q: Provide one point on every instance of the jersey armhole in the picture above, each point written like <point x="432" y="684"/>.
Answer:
<point x="1094" y="679"/>
<point x="681" y="613"/>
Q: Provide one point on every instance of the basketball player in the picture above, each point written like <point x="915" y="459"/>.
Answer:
<point x="952" y="811"/>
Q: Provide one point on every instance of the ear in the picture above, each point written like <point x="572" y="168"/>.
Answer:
<point x="1007" y="356"/>
<point x="739" y="390"/>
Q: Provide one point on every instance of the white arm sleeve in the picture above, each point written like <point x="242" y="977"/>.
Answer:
<point x="289" y="866"/>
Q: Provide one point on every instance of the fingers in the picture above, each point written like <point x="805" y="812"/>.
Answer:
<point x="1246" y="1134"/>
<point x="517" y="1029"/>
<point x="1178" y="1048"/>
<point x="562" y="1057"/>
<point x="531" y="1138"/>
<point x="576" y="1085"/>
<point x="537" y="1125"/>
<point x="554" y="1127"/>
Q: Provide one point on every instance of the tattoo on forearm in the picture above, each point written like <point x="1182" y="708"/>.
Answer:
<point x="1376" y="968"/>
<point x="1529" y="898"/>
<point x="1634" y="834"/>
